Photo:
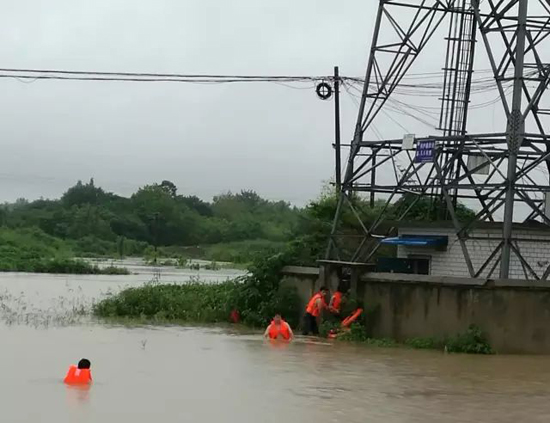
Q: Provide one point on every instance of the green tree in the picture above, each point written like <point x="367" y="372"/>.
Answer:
<point x="195" y="203"/>
<point x="170" y="188"/>
<point x="169" y="222"/>
<point x="83" y="194"/>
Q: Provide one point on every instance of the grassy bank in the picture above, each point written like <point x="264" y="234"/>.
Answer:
<point x="31" y="250"/>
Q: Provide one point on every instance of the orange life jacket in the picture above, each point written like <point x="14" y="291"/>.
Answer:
<point x="276" y="330"/>
<point x="352" y="318"/>
<point x="235" y="316"/>
<point x="76" y="376"/>
<point x="312" y="305"/>
<point x="336" y="302"/>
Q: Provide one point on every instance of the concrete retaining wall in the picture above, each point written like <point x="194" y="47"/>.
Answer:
<point x="514" y="314"/>
<point x="305" y="279"/>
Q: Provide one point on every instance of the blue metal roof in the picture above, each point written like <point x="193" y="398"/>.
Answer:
<point x="417" y="240"/>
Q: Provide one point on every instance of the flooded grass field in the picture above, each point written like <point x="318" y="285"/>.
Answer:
<point x="173" y="374"/>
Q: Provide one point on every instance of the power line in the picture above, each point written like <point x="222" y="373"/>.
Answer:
<point x="480" y="85"/>
<point x="79" y="75"/>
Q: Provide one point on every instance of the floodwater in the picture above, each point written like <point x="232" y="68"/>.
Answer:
<point x="193" y="374"/>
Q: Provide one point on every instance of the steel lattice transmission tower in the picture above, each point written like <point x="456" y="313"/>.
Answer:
<point x="513" y="37"/>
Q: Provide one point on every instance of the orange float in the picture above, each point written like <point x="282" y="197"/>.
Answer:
<point x="352" y="318"/>
<point x="346" y="323"/>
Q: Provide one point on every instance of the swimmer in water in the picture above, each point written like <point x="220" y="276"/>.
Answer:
<point x="279" y="329"/>
<point x="79" y="374"/>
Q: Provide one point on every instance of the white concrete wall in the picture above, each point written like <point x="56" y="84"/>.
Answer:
<point x="452" y="263"/>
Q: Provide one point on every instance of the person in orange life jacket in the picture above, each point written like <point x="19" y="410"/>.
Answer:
<point x="335" y="304"/>
<point x="80" y="374"/>
<point x="314" y="308"/>
<point x="279" y="329"/>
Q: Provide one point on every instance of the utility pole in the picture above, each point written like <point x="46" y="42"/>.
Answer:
<point x="155" y="221"/>
<point x="338" y="161"/>
<point x="516" y="133"/>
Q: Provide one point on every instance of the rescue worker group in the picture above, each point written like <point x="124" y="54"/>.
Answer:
<point x="316" y="306"/>
<point x="81" y="375"/>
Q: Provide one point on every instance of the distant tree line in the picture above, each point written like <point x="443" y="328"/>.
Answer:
<point x="156" y="214"/>
<point x="93" y="221"/>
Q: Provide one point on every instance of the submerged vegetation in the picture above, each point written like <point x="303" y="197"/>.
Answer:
<point x="472" y="341"/>
<point x="257" y="296"/>
<point x="20" y="308"/>
<point x="65" y="265"/>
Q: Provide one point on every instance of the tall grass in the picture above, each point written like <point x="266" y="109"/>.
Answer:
<point x="257" y="296"/>
<point x="193" y="302"/>
<point x="198" y="302"/>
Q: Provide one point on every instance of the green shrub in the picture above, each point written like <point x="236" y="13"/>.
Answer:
<point x="356" y="333"/>
<point x="213" y="265"/>
<point x="71" y="266"/>
<point x="63" y="265"/>
<point x="114" y="270"/>
<point x="194" y="302"/>
<point x="473" y="341"/>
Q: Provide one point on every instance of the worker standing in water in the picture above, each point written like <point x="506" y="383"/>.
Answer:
<point x="335" y="304"/>
<point x="279" y="329"/>
<point x="315" y="306"/>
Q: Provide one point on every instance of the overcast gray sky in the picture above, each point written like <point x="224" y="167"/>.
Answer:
<point x="206" y="139"/>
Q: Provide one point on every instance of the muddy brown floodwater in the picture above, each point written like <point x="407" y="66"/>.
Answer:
<point x="192" y="374"/>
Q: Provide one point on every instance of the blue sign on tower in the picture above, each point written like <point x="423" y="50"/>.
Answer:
<point x="425" y="151"/>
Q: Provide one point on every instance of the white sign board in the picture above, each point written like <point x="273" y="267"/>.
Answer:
<point x="476" y="161"/>
<point x="408" y="142"/>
